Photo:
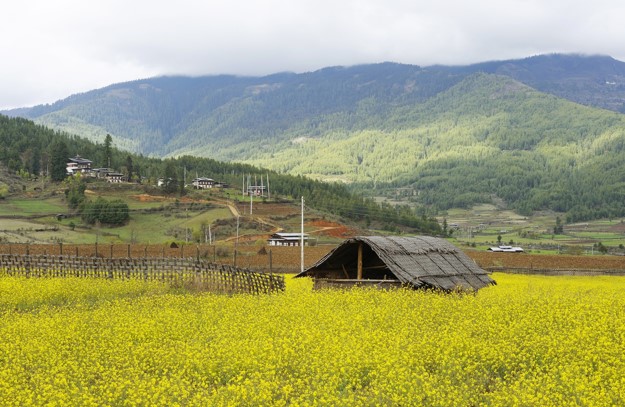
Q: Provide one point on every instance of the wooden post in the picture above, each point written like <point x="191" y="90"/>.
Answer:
<point x="129" y="256"/>
<point x="111" y="251"/>
<point x="96" y="249"/>
<point x="270" y="262"/>
<point x="60" y="248"/>
<point x="359" y="261"/>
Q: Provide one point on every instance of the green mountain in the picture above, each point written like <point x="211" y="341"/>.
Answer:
<point x="231" y="118"/>
<point x="538" y="133"/>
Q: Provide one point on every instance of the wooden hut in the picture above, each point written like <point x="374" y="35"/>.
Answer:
<point x="417" y="261"/>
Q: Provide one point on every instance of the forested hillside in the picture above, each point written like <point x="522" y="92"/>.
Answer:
<point x="597" y="81"/>
<point x="28" y="150"/>
<point x="486" y="138"/>
<point x="439" y="136"/>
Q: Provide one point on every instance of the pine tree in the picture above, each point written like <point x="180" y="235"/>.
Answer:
<point x="129" y="167"/>
<point x="108" y="143"/>
<point x="59" y="155"/>
<point x="170" y="184"/>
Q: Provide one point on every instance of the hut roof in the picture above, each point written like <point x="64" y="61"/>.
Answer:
<point x="421" y="261"/>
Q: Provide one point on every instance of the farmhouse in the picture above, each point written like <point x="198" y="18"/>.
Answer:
<point x="286" y="239"/>
<point x="100" y="172"/>
<point x="78" y="165"/>
<point x="203" y="183"/>
<point x="114" y="177"/>
<point x="417" y="261"/>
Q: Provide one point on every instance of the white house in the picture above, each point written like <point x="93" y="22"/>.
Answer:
<point x="114" y="177"/>
<point x="286" y="239"/>
<point x="78" y="165"/>
<point x="203" y="183"/>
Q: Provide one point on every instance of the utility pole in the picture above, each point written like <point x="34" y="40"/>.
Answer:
<point x="302" y="239"/>
<point x="236" y="244"/>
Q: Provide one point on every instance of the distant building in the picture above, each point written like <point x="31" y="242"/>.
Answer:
<point x="100" y="172"/>
<point x="114" y="177"/>
<point x="203" y="183"/>
<point x="256" y="190"/>
<point x="286" y="239"/>
<point x="161" y="182"/>
<point x="78" y="165"/>
<point x="505" y="249"/>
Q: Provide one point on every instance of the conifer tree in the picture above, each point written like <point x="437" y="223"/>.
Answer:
<point x="59" y="155"/>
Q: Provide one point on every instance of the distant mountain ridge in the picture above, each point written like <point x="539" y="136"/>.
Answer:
<point x="174" y="115"/>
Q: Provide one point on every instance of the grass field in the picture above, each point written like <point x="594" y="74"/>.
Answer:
<point x="528" y="341"/>
<point x="156" y="219"/>
<point x="482" y="226"/>
<point x="26" y="207"/>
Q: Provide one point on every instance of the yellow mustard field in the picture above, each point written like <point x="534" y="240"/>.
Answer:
<point x="529" y="341"/>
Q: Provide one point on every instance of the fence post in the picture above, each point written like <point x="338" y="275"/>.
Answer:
<point x="60" y="248"/>
<point x="27" y="249"/>
<point x="181" y="251"/>
<point x="96" y="249"/>
<point x="270" y="261"/>
<point x="129" y="251"/>
<point x="111" y="251"/>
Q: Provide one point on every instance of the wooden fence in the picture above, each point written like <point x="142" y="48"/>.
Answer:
<point x="192" y="273"/>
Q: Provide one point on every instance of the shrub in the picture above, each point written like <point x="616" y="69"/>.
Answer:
<point x="113" y="212"/>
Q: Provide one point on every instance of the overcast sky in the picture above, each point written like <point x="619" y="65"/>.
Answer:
<point x="50" y="49"/>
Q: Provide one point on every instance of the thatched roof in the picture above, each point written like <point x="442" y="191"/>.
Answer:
<point x="420" y="261"/>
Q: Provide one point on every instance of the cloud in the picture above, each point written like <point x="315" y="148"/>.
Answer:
<point x="52" y="49"/>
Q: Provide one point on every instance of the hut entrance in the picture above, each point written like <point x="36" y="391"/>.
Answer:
<point x="356" y="261"/>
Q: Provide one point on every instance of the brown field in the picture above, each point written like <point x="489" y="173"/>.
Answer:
<point x="546" y="262"/>
<point x="287" y="259"/>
